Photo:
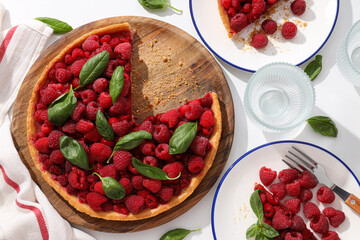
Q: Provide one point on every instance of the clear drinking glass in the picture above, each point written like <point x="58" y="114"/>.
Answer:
<point x="348" y="55"/>
<point x="279" y="97"/>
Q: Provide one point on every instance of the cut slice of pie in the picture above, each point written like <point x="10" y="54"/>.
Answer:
<point x="238" y="14"/>
<point x="145" y="197"/>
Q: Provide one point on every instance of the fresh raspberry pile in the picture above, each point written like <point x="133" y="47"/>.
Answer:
<point x="141" y="192"/>
<point x="294" y="188"/>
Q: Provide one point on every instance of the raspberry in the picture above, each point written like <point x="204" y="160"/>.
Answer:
<point x="200" y="145"/>
<point x="108" y="171"/>
<point x="267" y="176"/>
<point x="151" y="201"/>
<point x="293" y="189"/>
<point x="134" y="203"/>
<point x="259" y="41"/>
<point x="336" y="217"/>
<point x="126" y="87"/>
<point x="293" y="204"/>
<point x="307" y="180"/>
<point x="77" y="179"/>
<point x="126" y="183"/>
<point x="121" y="106"/>
<point x="238" y="22"/>
<point x="57" y="157"/>
<point x="90" y="45"/>
<point x="298" y="224"/>
<point x="95" y="200"/>
<point x="68" y="59"/>
<point x="269" y="26"/>
<point x="293" y="236"/>
<point x="206" y="101"/>
<point x="106" y="47"/>
<point x="137" y="181"/>
<point x="91" y="110"/>
<point x="41" y="115"/>
<point x="281" y="221"/>
<point x="120" y="208"/>
<point x="121" y="128"/>
<point x="247" y="8"/>
<point x="122" y="160"/>
<point x="69" y="127"/>
<point x="105" y="100"/>
<point x="100" y="85"/>
<point x="288" y="175"/>
<point x="207" y="119"/>
<point x="173" y="169"/>
<point x="88" y="96"/>
<point x="298" y="7"/>
<point x="62" y="179"/>
<point x="196" y="164"/>
<point x="100" y="152"/>
<point x="133" y="170"/>
<point x="162" y="134"/>
<point x="165" y="193"/>
<point x="153" y="185"/>
<point x="55" y="169"/>
<point x="194" y="112"/>
<point x="84" y="126"/>
<point x="162" y="152"/>
<point x="63" y="75"/>
<point x="54" y="139"/>
<point x="273" y="200"/>
<point x="47" y="127"/>
<point x="99" y="188"/>
<point x="258" y="7"/>
<point x="305" y="195"/>
<point x="70" y="190"/>
<point x="149" y="160"/>
<point x="105" y="38"/>
<point x="170" y="118"/>
<point x="147" y="148"/>
<point x="269" y="210"/>
<point x="48" y="95"/>
<point x="107" y="206"/>
<point x="330" y="235"/>
<point x="319" y="224"/>
<point x="93" y="135"/>
<point x="311" y="210"/>
<point x="325" y="195"/>
<point x="76" y="67"/>
<point x="43" y="157"/>
<point x="110" y="67"/>
<point x="123" y="50"/>
<point x="279" y="190"/>
<point x="78" y="112"/>
<point x="226" y="3"/>
<point x="77" y="54"/>
<point x="289" y="30"/>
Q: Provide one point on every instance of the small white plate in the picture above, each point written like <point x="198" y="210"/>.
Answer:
<point x="231" y="212"/>
<point x="314" y="28"/>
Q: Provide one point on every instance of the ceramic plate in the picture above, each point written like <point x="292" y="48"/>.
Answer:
<point x="231" y="211"/>
<point x="314" y="28"/>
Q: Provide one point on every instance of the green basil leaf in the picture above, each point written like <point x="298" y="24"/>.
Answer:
<point x="260" y="236"/>
<point x="269" y="231"/>
<point x="112" y="188"/>
<point x="103" y="126"/>
<point x="177" y="234"/>
<point x="156" y="4"/>
<point x="182" y="138"/>
<point x="74" y="152"/>
<point x="323" y="125"/>
<point x="151" y="171"/>
<point x="256" y="205"/>
<point x="116" y="83"/>
<point x="314" y="67"/>
<point x="57" y="25"/>
<point x="93" y="68"/>
<point x="62" y="107"/>
<point x="252" y="231"/>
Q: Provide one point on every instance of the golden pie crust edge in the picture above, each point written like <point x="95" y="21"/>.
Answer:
<point x="73" y="200"/>
<point x="225" y="19"/>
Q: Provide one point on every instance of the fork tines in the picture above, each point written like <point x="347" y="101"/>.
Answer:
<point x="300" y="162"/>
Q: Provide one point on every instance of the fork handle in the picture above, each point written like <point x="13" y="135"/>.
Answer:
<point x="353" y="202"/>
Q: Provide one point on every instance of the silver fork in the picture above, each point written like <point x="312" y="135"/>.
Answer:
<point x="302" y="161"/>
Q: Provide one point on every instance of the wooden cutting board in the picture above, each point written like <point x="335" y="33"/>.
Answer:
<point x="169" y="68"/>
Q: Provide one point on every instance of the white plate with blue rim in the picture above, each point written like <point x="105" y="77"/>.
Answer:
<point x="231" y="212"/>
<point x="314" y="29"/>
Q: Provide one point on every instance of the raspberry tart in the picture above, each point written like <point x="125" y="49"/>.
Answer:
<point x="83" y="138"/>
<point x="238" y="14"/>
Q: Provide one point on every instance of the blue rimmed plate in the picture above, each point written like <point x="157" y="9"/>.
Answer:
<point x="231" y="212"/>
<point x="314" y="29"/>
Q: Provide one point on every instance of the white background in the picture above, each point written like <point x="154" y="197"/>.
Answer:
<point x="336" y="97"/>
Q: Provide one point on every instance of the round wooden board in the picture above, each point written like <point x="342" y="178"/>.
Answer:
<point x="169" y="65"/>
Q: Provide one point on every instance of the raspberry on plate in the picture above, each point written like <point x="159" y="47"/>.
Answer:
<point x="298" y="7"/>
<point x="336" y="217"/>
<point x="288" y="30"/>
<point x="269" y="26"/>
<point x="311" y="210"/>
<point x="319" y="224"/>
<point x="267" y="176"/>
<point x="330" y="235"/>
<point x="325" y="195"/>
<point x="259" y="41"/>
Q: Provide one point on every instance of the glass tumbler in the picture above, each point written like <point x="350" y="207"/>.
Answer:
<point x="279" y="97"/>
<point x="348" y="55"/>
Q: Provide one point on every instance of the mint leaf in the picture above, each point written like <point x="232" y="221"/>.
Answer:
<point x="314" y="67"/>
<point x="323" y="125"/>
<point x="269" y="231"/>
<point x="57" y="25"/>
<point x="256" y="205"/>
<point x="252" y="231"/>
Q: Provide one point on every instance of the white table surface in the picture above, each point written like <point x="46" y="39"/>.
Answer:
<point x="336" y="97"/>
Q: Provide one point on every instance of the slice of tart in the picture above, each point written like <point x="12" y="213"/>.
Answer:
<point x="66" y="105"/>
<point x="238" y="14"/>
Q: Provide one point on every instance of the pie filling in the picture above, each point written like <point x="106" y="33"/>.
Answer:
<point x="145" y="197"/>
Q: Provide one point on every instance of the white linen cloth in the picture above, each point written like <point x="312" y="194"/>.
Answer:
<point x="25" y="211"/>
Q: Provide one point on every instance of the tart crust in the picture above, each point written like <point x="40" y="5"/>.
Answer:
<point x="73" y="200"/>
<point x="225" y="20"/>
